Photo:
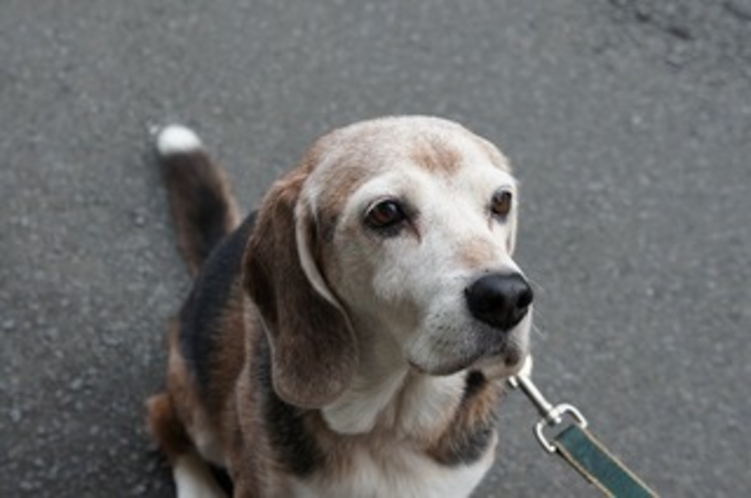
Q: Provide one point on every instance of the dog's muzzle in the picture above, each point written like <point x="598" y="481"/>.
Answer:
<point x="499" y="300"/>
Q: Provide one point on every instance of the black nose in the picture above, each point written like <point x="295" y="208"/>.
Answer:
<point x="500" y="300"/>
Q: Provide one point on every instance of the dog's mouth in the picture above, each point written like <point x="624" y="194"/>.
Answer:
<point x="505" y="364"/>
<point x="500" y="354"/>
<point x="509" y="357"/>
<point x="513" y="356"/>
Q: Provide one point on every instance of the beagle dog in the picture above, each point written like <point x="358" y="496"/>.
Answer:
<point x="351" y="338"/>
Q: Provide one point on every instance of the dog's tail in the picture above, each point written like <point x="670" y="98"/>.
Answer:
<point x="203" y="206"/>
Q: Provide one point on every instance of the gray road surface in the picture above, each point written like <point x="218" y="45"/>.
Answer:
<point x="629" y="123"/>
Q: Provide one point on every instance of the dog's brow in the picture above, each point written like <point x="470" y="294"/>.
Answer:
<point x="436" y="155"/>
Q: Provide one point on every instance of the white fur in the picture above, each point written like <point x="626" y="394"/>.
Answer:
<point x="193" y="478"/>
<point x="385" y="388"/>
<point x="428" y="401"/>
<point x="175" y="139"/>
<point x="399" y="473"/>
<point x="357" y="411"/>
<point x="411" y="287"/>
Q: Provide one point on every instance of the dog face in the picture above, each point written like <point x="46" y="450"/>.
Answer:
<point x="416" y="223"/>
<point x="393" y="237"/>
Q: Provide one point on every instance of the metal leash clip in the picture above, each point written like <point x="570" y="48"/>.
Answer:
<point x="552" y="415"/>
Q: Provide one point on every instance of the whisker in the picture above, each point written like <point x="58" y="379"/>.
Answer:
<point x="537" y="285"/>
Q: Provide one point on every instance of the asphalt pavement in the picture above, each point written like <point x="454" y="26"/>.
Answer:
<point x="628" y="122"/>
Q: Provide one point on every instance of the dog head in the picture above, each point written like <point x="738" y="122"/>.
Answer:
<point x="398" y="228"/>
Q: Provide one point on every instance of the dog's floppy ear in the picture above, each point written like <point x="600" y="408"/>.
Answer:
<point x="314" y="353"/>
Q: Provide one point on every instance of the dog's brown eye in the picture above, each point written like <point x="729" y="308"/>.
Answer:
<point x="385" y="214"/>
<point x="501" y="203"/>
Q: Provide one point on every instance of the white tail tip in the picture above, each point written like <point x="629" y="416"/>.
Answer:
<point x="176" y="139"/>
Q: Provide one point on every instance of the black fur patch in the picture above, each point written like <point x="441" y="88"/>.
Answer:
<point x="204" y="307"/>
<point x="198" y="199"/>
<point x="294" y="447"/>
<point x="468" y="448"/>
<point x="475" y="381"/>
<point x="464" y="445"/>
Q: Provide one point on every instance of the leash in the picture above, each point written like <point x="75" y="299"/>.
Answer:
<point x="563" y="430"/>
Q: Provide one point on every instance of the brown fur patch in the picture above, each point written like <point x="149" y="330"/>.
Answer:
<point x="314" y="349"/>
<point x="165" y="427"/>
<point x="476" y="253"/>
<point x="334" y="199"/>
<point x="229" y="355"/>
<point x="472" y="428"/>
<point x="249" y="457"/>
<point x="436" y="156"/>
<point x="167" y="411"/>
<point x="338" y="183"/>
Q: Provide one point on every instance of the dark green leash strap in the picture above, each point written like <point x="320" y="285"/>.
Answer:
<point x="579" y="448"/>
<point x="576" y="445"/>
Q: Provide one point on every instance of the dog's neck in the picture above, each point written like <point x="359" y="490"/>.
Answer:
<point x="388" y="394"/>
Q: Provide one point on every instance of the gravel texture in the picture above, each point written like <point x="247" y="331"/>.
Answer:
<point x="629" y="123"/>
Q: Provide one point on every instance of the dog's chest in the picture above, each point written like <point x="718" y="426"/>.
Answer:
<point x="395" y="472"/>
